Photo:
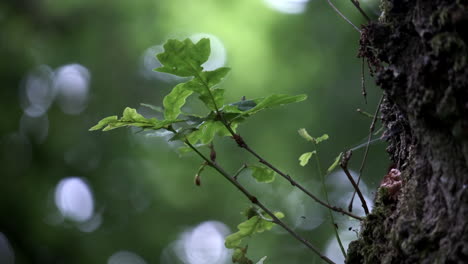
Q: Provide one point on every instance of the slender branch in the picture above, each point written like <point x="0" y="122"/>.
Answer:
<point x="358" y="6"/>
<point x="363" y="80"/>
<point x="240" y="141"/>
<point x="294" y="183"/>
<point x="371" y="129"/>
<point x="344" y="166"/>
<point x="244" y="166"/>
<point x="343" y="16"/>
<point x="255" y="201"/>
<point x="324" y="187"/>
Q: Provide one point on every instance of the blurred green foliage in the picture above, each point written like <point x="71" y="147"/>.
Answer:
<point x="143" y="191"/>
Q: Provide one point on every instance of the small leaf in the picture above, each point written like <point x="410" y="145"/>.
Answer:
<point x="262" y="260"/>
<point x="303" y="133"/>
<point x="321" y="138"/>
<point x="184" y="58"/>
<point x="335" y="163"/>
<point x="104" y="122"/>
<point x="304" y="158"/>
<point x="256" y="224"/>
<point x="174" y="101"/>
<point x="153" y="107"/>
<point x="274" y="100"/>
<point x="262" y="174"/>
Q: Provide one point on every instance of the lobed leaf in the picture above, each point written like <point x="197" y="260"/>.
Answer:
<point x="217" y="95"/>
<point x="104" y="122"/>
<point x="131" y="117"/>
<point x="262" y="174"/>
<point x="184" y="58"/>
<point x="254" y="225"/>
<point x="304" y="158"/>
<point x="174" y="101"/>
<point x="274" y="100"/>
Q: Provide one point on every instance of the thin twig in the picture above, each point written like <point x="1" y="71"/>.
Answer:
<point x="358" y="6"/>
<point x="344" y="166"/>
<point x="343" y="16"/>
<point x="240" y="141"/>
<point x="255" y="201"/>
<point x="363" y="80"/>
<point x="371" y="129"/>
<point x="324" y="187"/>
<point x="297" y="185"/>
<point x="244" y="166"/>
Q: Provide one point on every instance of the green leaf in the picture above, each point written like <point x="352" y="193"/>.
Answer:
<point x="131" y="117"/>
<point x="321" y="138"/>
<point x="245" y="105"/>
<point x="174" y="101"/>
<point x="335" y="163"/>
<point x="104" y="122"/>
<point x="217" y="95"/>
<point x="262" y="174"/>
<point x="274" y="100"/>
<point x="212" y="78"/>
<point x="304" y="158"/>
<point x="184" y="58"/>
<point x="262" y="260"/>
<point x="303" y="133"/>
<point x="153" y="107"/>
<point x="207" y="131"/>
<point x="254" y="225"/>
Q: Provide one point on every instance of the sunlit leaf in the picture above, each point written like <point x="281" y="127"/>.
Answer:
<point x="274" y="100"/>
<point x="304" y="158"/>
<point x="256" y="224"/>
<point x="303" y="133"/>
<point x="174" y="101"/>
<point x="131" y="117"/>
<point x="184" y="58"/>
<point x="262" y="174"/>
<point x="321" y="138"/>
<point x="335" y="163"/>
<point x="212" y="78"/>
<point x="104" y="122"/>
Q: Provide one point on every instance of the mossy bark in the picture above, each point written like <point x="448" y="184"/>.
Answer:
<point x="418" y="50"/>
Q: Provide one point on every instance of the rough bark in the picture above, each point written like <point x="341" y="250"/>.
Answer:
<point x="418" y="51"/>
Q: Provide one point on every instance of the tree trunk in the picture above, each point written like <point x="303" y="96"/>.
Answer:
<point x="418" y="51"/>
